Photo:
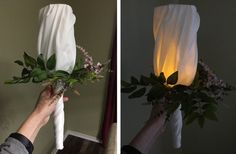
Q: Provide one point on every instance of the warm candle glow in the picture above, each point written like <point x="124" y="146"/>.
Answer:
<point x="167" y="66"/>
<point x="176" y="41"/>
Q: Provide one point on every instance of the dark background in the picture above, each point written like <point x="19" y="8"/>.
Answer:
<point x="216" y="45"/>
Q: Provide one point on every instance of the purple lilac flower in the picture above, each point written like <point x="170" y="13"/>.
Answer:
<point x="209" y="79"/>
<point x="88" y="62"/>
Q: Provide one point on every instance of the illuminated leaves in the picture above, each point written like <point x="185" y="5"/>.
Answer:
<point x="173" y="78"/>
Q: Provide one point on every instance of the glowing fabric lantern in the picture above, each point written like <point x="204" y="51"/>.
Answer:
<point x="175" y="29"/>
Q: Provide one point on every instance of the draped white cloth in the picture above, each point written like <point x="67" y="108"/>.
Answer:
<point x="56" y="35"/>
<point x="175" y="29"/>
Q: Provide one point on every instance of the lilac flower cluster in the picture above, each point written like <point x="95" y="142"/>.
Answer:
<point x="88" y="62"/>
<point x="216" y="87"/>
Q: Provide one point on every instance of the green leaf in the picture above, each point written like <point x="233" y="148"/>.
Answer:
<point x="36" y="80"/>
<point x="25" y="72"/>
<point x="29" y="61"/>
<point x="61" y="73"/>
<point x="173" y="78"/>
<point x="125" y="83"/>
<point x="209" y="107"/>
<point x="76" y="67"/>
<point x="188" y="108"/>
<point x="153" y="79"/>
<point x="193" y="116"/>
<point x="205" y="98"/>
<point x="10" y="82"/>
<point x="156" y="92"/>
<point x="201" y="121"/>
<point x="40" y="77"/>
<point x="14" y="80"/>
<point x="180" y="88"/>
<point x="138" y="93"/>
<point x="51" y="62"/>
<point x="79" y="64"/>
<point x="162" y="77"/>
<point x="78" y="73"/>
<point x="134" y="80"/>
<point x="72" y="82"/>
<point x="128" y="89"/>
<point x="35" y="72"/>
<point x="171" y="108"/>
<point x="179" y="97"/>
<point x="89" y="76"/>
<point x="19" y="62"/>
<point x="210" y="115"/>
<point x="40" y="61"/>
<point x="25" y="80"/>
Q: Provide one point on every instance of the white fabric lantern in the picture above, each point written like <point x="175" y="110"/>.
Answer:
<point x="175" y="29"/>
<point x="56" y="35"/>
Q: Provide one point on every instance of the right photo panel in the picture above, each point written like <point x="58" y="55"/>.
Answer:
<point x="178" y="79"/>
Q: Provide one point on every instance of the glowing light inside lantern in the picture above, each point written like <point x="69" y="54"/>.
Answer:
<point x="176" y="41"/>
<point x="167" y="66"/>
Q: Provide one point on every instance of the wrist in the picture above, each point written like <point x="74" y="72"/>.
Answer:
<point x="39" y="117"/>
<point x="31" y="126"/>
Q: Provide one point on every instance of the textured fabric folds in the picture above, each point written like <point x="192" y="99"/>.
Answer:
<point x="175" y="29"/>
<point x="56" y="35"/>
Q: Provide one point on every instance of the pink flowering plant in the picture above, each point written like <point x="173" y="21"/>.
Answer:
<point x="199" y="101"/>
<point x="40" y="71"/>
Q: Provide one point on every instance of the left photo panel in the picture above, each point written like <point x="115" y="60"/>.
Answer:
<point x="58" y="90"/>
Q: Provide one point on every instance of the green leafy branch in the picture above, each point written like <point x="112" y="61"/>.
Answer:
<point x="198" y="102"/>
<point x="40" y="71"/>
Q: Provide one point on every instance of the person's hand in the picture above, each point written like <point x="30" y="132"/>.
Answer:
<point x="46" y="104"/>
<point x="153" y="128"/>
